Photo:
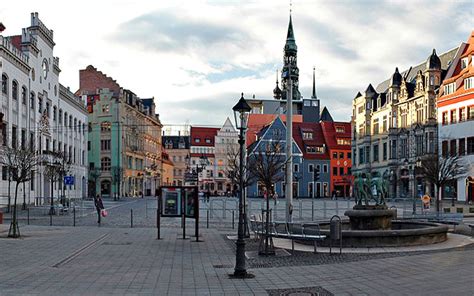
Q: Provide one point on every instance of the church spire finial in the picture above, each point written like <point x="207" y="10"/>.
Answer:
<point x="313" y="96"/>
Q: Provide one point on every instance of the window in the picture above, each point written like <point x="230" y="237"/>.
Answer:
<point x="105" y="163"/>
<point x="296" y="168"/>
<point x="23" y="138"/>
<point x="453" y="116"/>
<point x="419" y="144"/>
<point x="384" y="124"/>
<point x="462" y="114"/>
<point x="105" y="108"/>
<point x="341" y="171"/>
<point x="444" y="118"/>
<point x="307" y="135"/>
<point x="361" y="155"/>
<point x="105" y="145"/>
<point x="4" y="84"/>
<point x="376" y="126"/>
<point x="334" y="171"/>
<point x="349" y="155"/>
<point x="449" y="89"/>
<point x="469" y="83"/>
<point x="208" y="140"/>
<point x="14" y="137"/>
<point x="341" y="155"/>
<point x="384" y="151"/>
<point x="340" y="129"/>
<point x="88" y="145"/>
<point x="470" y="145"/>
<point x="15" y="90"/>
<point x="361" y="130"/>
<point x="32" y="100"/>
<point x="403" y="115"/>
<point x="197" y="140"/>
<point x="40" y="105"/>
<point x="334" y="155"/>
<point x="452" y="148"/>
<point x="393" y="149"/>
<point x="470" y="112"/>
<point x="54" y="112"/>
<point x="105" y="126"/>
<point x="464" y="63"/>
<point x="444" y="148"/>
<point x="462" y="147"/>
<point x="325" y="168"/>
<point x="310" y="168"/>
<point x="403" y="148"/>
<point x="376" y="152"/>
<point x="343" y="141"/>
<point x="47" y="109"/>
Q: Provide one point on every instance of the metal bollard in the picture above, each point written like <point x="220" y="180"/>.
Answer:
<point x="207" y="218"/>
<point x="312" y="209"/>
<point x="74" y="215"/>
<point x="51" y="219"/>
<point x="233" y="219"/>
<point x="131" y="218"/>
<point x="28" y="217"/>
<point x="301" y="208"/>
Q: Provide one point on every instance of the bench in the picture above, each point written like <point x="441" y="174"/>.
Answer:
<point x="292" y="231"/>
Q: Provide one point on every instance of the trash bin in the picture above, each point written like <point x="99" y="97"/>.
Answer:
<point x="335" y="229"/>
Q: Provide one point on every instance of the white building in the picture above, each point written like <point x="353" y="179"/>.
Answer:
<point x="31" y="93"/>
<point x="456" y="120"/>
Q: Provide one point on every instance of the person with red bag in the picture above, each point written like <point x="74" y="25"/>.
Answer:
<point x="99" y="207"/>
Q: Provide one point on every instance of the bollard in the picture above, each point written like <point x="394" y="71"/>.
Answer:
<point x="74" y="215"/>
<point x="146" y="208"/>
<point x="51" y="220"/>
<point x="312" y="209"/>
<point x="207" y="218"/>
<point x="233" y="219"/>
<point x="158" y="226"/>
<point x="131" y="218"/>
<point x="337" y="207"/>
<point x="28" y="217"/>
<point x="301" y="208"/>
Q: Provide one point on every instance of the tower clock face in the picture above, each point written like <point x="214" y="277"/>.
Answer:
<point x="45" y="68"/>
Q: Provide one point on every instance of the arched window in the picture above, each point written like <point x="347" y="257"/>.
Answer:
<point x="65" y="119"/>
<point x="23" y="95"/>
<point x="60" y="116"/>
<point x="32" y="100"/>
<point x="4" y="84"/>
<point x="15" y="90"/>
<point x="105" y="126"/>
<point x="55" y="109"/>
<point x="75" y="124"/>
<point x="105" y="163"/>
<point x="70" y="121"/>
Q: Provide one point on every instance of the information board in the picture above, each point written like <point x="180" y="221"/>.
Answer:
<point x="171" y="199"/>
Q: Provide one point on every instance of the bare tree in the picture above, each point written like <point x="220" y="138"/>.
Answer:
<point x="20" y="161"/>
<point x="440" y="171"/>
<point x="57" y="165"/>
<point x="265" y="165"/>
<point x="233" y="167"/>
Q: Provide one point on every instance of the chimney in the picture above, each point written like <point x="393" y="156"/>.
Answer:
<point x="2" y="27"/>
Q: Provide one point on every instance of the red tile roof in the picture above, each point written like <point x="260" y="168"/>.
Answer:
<point x="16" y="41"/>
<point x="331" y="136"/>
<point x="317" y="140"/>
<point x="204" y="134"/>
<point x="258" y="121"/>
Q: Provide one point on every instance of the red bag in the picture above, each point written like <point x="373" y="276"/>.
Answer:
<point x="103" y="213"/>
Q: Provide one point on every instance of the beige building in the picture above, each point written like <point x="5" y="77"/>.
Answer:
<point x="177" y="148"/>
<point x="394" y="126"/>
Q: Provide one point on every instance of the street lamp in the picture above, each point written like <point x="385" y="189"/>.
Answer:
<point x="415" y="185"/>
<point x="241" y="111"/>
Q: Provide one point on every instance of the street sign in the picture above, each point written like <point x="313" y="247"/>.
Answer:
<point x="68" y="180"/>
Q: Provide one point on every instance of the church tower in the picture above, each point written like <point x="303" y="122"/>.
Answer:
<point x="289" y="62"/>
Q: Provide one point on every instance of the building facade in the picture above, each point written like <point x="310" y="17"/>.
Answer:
<point x="202" y="157"/>
<point x="125" y="138"/>
<point x="37" y="110"/>
<point x="395" y="126"/>
<point x="177" y="148"/>
<point x="456" y="120"/>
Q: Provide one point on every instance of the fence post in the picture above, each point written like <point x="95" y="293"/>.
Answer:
<point x="131" y="218"/>
<point x="207" y="218"/>
<point x="51" y="219"/>
<point x="28" y="213"/>
<point x="301" y="208"/>
<point x="224" y="206"/>
<point x="233" y="219"/>
<point x="312" y="208"/>
<point x="337" y="207"/>
<point x="74" y="216"/>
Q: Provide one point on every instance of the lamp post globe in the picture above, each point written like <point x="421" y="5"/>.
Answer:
<point x="241" y="110"/>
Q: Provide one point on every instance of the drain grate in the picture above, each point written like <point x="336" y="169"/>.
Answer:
<point x="304" y="291"/>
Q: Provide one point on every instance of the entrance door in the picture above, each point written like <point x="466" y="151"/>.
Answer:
<point x="105" y="188"/>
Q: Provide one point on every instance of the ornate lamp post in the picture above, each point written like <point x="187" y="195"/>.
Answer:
<point x="241" y="110"/>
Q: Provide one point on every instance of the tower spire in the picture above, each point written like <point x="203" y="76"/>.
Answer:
<point x="313" y="96"/>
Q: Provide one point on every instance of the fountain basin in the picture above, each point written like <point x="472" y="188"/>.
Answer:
<point x="402" y="234"/>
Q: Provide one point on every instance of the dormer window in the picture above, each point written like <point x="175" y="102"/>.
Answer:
<point x="464" y="63"/>
<point x="340" y="129"/>
<point x="307" y="135"/>
<point x="449" y="89"/>
<point x="208" y="140"/>
<point x="469" y="83"/>
<point x="197" y="140"/>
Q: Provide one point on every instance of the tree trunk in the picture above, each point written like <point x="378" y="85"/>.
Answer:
<point x="14" y="231"/>
<point x="9" y="193"/>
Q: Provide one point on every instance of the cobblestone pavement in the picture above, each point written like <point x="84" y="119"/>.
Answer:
<point x="130" y="261"/>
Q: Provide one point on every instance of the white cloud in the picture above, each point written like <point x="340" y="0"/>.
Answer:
<point x="217" y="49"/>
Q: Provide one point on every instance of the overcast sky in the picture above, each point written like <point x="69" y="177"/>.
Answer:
<point x="196" y="57"/>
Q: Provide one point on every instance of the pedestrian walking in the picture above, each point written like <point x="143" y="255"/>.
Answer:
<point x="99" y="206"/>
<point x="275" y="198"/>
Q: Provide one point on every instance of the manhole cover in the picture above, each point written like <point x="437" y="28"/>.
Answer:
<point x="304" y="291"/>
